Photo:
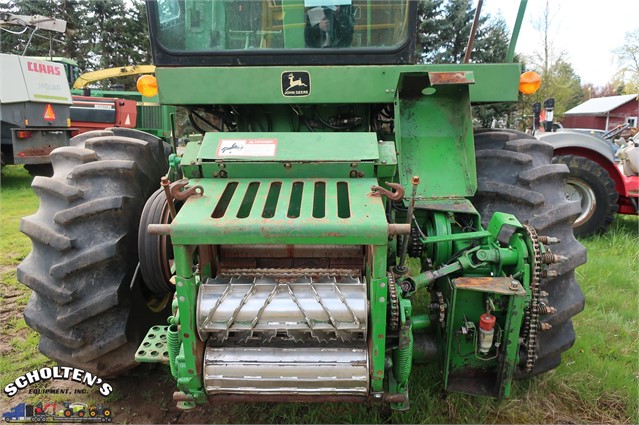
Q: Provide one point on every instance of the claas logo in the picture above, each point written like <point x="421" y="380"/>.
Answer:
<point x="49" y="113"/>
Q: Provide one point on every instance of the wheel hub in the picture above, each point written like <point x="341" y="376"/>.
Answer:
<point x="578" y="190"/>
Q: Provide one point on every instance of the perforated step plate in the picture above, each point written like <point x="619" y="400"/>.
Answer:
<point x="153" y="348"/>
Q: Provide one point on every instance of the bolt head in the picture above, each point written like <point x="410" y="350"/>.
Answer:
<point x="514" y="285"/>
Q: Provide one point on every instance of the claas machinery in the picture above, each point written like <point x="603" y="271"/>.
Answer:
<point x="339" y="222"/>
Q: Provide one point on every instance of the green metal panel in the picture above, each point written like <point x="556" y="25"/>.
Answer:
<point x="189" y="380"/>
<point x="329" y="84"/>
<point x="387" y="163"/>
<point x="378" y="297"/>
<point x="289" y="147"/>
<point x="282" y="211"/>
<point x="286" y="170"/>
<point x="465" y="369"/>
<point x="288" y="155"/>
<point x="435" y="138"/>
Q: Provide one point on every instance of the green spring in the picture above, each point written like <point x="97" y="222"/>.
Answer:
<point x="173" y="342"/>
<point x="402" y="362"/>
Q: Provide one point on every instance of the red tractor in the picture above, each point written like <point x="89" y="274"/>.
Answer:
<point x="603" y="174"/>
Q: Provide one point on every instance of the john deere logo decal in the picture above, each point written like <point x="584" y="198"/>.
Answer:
<point x="296" y="83"/>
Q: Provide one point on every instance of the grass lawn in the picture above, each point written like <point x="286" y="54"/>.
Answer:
<point x="596" y="383"/>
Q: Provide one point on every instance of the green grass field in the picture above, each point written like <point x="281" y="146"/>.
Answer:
<point x="596" y="383"/>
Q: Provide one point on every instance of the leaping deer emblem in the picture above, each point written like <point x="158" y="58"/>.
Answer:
<point x="292" y="82"/>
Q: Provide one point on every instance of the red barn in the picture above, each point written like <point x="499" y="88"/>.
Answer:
<point x="604" y="113"/>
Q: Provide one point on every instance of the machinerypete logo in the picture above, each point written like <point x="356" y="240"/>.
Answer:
<point x="57" y="373"/>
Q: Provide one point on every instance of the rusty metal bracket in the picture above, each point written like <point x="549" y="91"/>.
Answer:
<point x="393" y="196"/>
<point x="165" y="182"/>
<point x="183" y="195"/>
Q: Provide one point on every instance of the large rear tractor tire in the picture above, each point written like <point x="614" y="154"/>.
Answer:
<point x="591" y="185"/>
<point x="86" y="305"/>
<point x="515" y="175"/>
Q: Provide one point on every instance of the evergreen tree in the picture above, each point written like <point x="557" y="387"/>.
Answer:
<point x="443" y="32"/>
<point x="444" y="28"/>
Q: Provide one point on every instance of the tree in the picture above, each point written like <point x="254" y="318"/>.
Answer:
<point x="40" y="43"/>
<point x="443" y="32"/>
<point x="106" y="33"/>
<point x="444" y="28"/>
<point x="559" y="79"/>
<point x="628" y="57"/>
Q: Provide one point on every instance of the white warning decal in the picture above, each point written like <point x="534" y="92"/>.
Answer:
<point x="248" y="147"/>
<point x="128" y="120"/>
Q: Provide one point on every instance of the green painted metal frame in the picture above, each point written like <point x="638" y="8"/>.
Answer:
<point x="434" y="136"/>
<point x="329" y="84"/>
<point x="466" y="304"/>
<point x="189" y="359"/>
<point x="378" y="297"/>
<point x="515" y="35"/>
<point x="194" y="224"/>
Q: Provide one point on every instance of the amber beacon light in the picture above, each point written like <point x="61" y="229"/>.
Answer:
<point x="529" y="82"/>
<point x="147" y="85"/>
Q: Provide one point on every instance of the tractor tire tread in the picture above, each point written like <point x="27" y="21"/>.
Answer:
<point x="490" y="189"/>
<point x="46" y="185"/>
<point x="533" y="192"/>
<point x="44" y="235"/>
<point x="515" y="157"/>
<point x="543" y="172"/>
<point x="84" y="305"/>
<point x="41" y="284"/>
<point x="90" y="209"/>
<point x="88" y="258"/>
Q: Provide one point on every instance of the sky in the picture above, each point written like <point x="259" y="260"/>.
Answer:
<point x="587" y="31"/>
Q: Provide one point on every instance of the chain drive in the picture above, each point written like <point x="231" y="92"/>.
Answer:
<point x="288" y="273"/>
<point x="415" y="246"/>
<point x="393" y="303"/>
<point x="531" y="318"/>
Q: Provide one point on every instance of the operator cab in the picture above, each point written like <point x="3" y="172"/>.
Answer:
<point x="282" y="32"/>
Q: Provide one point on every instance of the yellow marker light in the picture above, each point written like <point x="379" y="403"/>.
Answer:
<point x="147" y="85"/>
<point x="529" y="82"/>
